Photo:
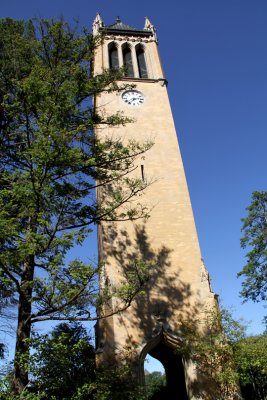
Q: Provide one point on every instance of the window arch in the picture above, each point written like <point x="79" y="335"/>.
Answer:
<point x="127" y="60"/>
<point x="113" y="56"/>
<point x="141" y="62"/>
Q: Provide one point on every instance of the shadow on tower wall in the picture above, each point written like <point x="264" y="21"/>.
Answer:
<point x="162" y="319"/>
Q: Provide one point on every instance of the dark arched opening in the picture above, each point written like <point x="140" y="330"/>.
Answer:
<point x="113" y="56"/>
<point x="175" y="378"/>
<point x="141" y="62"/>
<point x="127" y="61"/>
<point x="165" y="352"/>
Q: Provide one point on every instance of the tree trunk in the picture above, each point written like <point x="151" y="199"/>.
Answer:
<point x="22" y="351"/>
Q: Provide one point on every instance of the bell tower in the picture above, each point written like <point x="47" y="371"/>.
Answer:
<point x="179" y="288"/>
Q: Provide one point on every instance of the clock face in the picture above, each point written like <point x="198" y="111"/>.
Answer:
<point x="133" y="97"/>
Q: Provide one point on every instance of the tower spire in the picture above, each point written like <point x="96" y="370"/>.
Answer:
<point x="97" y="24"/>
<point x="150" y="27"/>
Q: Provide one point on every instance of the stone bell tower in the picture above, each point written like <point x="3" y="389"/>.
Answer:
<point x="179" y="289"/>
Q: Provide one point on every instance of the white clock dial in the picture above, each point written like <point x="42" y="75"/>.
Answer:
<point x="133" y="97"/>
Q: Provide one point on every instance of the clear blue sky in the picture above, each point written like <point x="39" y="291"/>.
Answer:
<point x="214" y="56"/>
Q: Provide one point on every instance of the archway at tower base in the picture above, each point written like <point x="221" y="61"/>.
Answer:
<point x="165" y="352"/>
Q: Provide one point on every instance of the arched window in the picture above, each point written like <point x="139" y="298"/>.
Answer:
<point x="113" y="56"/>
<point x="127" y="61"/>
<point x="141" y="62"/>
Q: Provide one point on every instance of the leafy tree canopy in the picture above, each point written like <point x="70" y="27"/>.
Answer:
<point x="155" y="381"/>
<point x="63" y="361"/>
<point x="250" y="355"/>
<point x="255" y="239"/>
<point x="210" y="348"/>
<point x="50" y="166"/>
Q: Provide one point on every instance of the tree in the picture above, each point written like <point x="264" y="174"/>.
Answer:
<point x="50" y="162"/>
<point x="225" y="356"/>
<point x="115" y="382"/>
<point x="209" y="347"/>
<point x="255" y="238"/>
<point x="250" y="355"/>
<point x="155" y="381"/>
<point x="63" y="361"/>
<point x="62" y="367"/>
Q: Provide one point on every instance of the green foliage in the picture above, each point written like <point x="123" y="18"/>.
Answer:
<point x="62" y="362"/>
<point x="209" y="348"/>
<point x="50" y="160"/>
<point x="50" y="166"/>
<point x="154" y="382"/>
<point x="255" y="239"/>
<point x="250" y="355"/>
<point x="116" y="383"/>
<point x="233" y="329"/>
<point x="25" y="395"/>
<point x="62" y="367"/>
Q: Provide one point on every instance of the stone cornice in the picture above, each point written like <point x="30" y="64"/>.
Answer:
<point x="130" y="38"/>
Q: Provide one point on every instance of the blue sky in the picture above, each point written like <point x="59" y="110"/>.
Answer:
<point x="215" y="59"/>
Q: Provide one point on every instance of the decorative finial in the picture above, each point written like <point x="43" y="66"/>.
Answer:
<point x="98" y="23"/>
<point x="150" y="27"/>
<point x="118" y="20"/>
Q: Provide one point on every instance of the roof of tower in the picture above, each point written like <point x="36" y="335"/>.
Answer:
<point x="120" y="27"/>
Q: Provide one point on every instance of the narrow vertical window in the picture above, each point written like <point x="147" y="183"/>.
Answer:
<point x="143" y="173"/>
<point x="141" y="62"/>
<point x="113" y="56"/>
<point x="127" y="61"/>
